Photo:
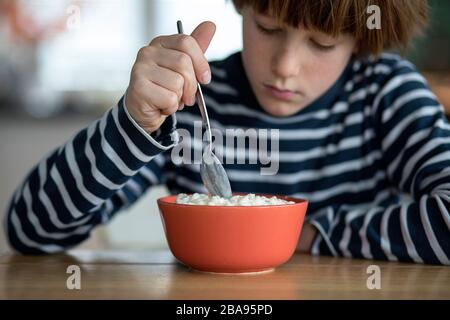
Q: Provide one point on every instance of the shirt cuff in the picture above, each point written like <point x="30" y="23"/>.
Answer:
<point x="321" y="243"/>
<point x="164" y="138"/>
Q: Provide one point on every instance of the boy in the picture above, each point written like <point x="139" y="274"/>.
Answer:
<point x="361" y="136"/>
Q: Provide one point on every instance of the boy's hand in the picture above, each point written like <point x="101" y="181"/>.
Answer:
<point x="306" y="238"/>
<point x="165" y="74"/>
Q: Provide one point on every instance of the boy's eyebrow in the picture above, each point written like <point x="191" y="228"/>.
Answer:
<point x="263" y="16"/>
<point x="259" y="18"/>
<point x="319" y="34"/>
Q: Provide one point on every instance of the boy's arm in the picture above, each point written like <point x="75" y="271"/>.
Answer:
<point x="102" y="169"/>
<point x="306" y="238"/>
<point x="415" y="143"/>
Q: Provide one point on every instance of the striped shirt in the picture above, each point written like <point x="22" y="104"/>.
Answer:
<point x="371" y="155"/>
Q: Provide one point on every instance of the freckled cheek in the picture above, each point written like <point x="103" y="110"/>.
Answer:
<point x="327" y="68"/>
<point x="257" y="57"/>
<point x="252" y="39"/>
<point x="316" y="78"/>
<point x="311" y="70"/>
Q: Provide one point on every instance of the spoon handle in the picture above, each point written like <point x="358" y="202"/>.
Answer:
<point x="200" y="101"/>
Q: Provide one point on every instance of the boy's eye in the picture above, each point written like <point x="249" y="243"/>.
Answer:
<point x="267" y="30"/>
<point x="322" y="47"/>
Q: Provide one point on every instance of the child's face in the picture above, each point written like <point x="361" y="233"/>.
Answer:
<point x="287" y="67"/>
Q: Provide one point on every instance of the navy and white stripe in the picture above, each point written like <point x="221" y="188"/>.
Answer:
<point x="372" y="156"/>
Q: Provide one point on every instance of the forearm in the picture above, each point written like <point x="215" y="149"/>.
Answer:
<point x="79" y="185"/>
<point x="307" y="236"/>
<point x="410" y="232"/>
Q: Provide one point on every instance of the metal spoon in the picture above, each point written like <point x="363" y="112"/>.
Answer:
<point x="212" y="172"/>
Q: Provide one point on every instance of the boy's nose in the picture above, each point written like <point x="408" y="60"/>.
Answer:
<point x="286" y="63"/>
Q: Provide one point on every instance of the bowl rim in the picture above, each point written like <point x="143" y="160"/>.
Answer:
<point x="298" y="201"/>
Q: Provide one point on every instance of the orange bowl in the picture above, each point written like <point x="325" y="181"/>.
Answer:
<point x="232" y="239"/>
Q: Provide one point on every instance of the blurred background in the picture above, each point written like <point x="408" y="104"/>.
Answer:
<point x="64" y="62"/>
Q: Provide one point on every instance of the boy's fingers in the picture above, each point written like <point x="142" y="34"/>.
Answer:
<point x="188" y="45"/>
<point x="204" y="33"/>
<point x="166" y="58"/>
<point x="168" y="79"/>
<point x="160" y="98"/>
<point x="194" y="46"/>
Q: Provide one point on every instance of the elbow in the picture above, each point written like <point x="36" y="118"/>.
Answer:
<point x="19" y="242"/>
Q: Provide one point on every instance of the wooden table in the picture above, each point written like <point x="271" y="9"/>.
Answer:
<point x="157" y="275"/>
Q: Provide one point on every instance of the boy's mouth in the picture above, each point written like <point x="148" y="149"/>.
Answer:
<point x="281" y="93"/>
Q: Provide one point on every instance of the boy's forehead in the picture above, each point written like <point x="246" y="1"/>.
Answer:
<point x="282" y="21"/>
<point x="265" y="14"/>
<point x="268" y="17"/>
<point x="280" y="14"/>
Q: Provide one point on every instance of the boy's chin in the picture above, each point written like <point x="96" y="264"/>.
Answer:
<point x="282" y="109"/>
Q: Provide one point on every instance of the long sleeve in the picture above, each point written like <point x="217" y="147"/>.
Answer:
<point x="101" y="170"/>
<point x="414" y="138"/>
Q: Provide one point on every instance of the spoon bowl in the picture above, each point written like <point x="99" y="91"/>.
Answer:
<point x="214" y="176"/>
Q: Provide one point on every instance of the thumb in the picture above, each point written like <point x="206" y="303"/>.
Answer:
<point x="203" y="34"/>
